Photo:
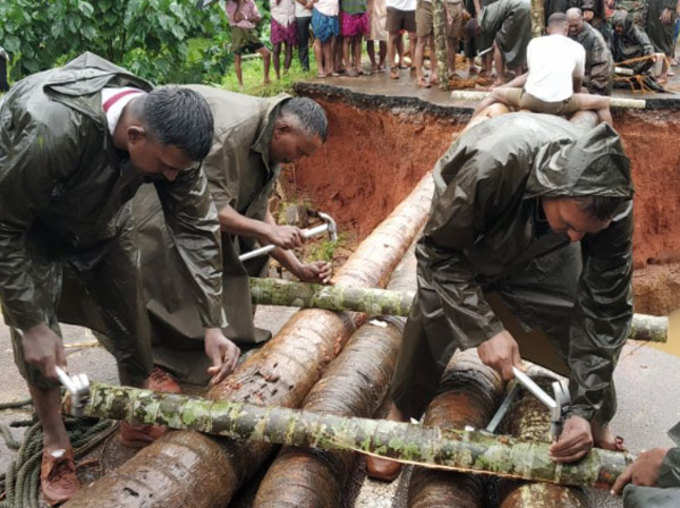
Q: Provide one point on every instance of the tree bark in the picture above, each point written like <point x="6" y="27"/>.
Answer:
<point x="441" y="48"/>
<point x="377" y="302"/>
<point x="459" y="450"/>
<point x="470" y="391"/>
<point x="529" y="419"/>
<point x="167" y="472"/>
<point x="537" y="18"/>
<point x="354" y="385"/>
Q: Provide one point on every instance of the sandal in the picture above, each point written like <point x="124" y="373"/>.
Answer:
<point x="394" y="73"/>
<point x="423" y="83"/>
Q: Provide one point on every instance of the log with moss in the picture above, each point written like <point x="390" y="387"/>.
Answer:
<point x="440" y="43"/>
<point x="614" y="102"/>
<point x="281" y="373"/>
<point x="378" y="302"/>
<point x="470" y="392"/>
<point x="528" y="418"/>
<point x="458" y="450"/>
<point x="354" y="385"/>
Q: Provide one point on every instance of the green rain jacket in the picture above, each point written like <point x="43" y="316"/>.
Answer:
<point x="239" y="175"/>
<point x="660" y="34"/>
<point x="631" y="43"/>
<point x="508" y="23"/>
<point x="482" y="229"/>
<point x="62" y="181"/>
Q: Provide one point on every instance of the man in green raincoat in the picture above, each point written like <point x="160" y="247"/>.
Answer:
<point x="527" y="254"/>
<point x="76" y="143"/>
<point x="508" y="24"/>
<point x="599" y="62"/>
<point x="253" y="136"/>
<point x="653" y="480"/>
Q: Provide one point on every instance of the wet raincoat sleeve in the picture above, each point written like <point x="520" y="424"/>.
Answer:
<point x="467" y="201"/>
<point x="669" y="474"/>
<point x="34" y="158"/>
<point x="192" y="222"/>
<point x="602" y="317"/>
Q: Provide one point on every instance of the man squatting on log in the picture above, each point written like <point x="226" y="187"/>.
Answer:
<point x="253" y="137"/>
<point x="530" y="229"/>
<point x="77" y="143"/>
<point x="552" y="85"/>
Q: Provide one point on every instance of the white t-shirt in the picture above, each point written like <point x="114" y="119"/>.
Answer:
<point x="283" y="12"/>
<point x="328" y="7"/>
<point x="301" y="11"/>
<point x="402" y="5"/>
<point x="554" y="60"/>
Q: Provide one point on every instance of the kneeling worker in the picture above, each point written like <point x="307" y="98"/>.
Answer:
<point x="554" y="80"/>
<point x="530" y="231"/>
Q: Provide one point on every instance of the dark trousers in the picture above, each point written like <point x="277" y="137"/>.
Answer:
<point x="303" y="40"/>
<point x="4" y="86"/>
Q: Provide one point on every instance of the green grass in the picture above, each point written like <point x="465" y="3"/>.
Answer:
<point x="252" y="76"/>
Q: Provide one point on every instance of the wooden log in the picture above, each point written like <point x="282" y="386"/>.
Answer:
<point x="440" y="43"/>
<point x="377" y="302"/>
<point x="530" y="419"/>
<point x="282" y="372"/>
<point x="614" y="102"/>
<point x="537" y="18"/>
<point x="470" y="392"/>
<point x="354" y="385"/>
<point x="454" y="449"/>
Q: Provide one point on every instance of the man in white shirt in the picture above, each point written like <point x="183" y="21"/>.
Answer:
<point x="554" y="82"/>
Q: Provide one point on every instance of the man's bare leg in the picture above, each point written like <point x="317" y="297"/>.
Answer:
<point x="318" y="54"/>
<point x="418" y="62"/>
<point x="47" y="404"/>
<point x="392" y="46"/>
<point x="434" y="67"/>
<point x="237" y="68"/>
<point x="500" y="66"/>
<point x="502" y="95"/>
<point x="266" y="59"/>
<point x="384" y="469"/>
<point x="597" y="103"/>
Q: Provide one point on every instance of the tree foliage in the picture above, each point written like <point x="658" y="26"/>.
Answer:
<point x="163" y="40"/>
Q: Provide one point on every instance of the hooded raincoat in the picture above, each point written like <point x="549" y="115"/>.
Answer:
<point x="508" y="23"/>
<point x="487" y="241"/>
<point x="661" y="34"/>
<point x="65" y="216"/>
<point x="239" y="175"/>
<point x="632" y="42"/>
<point x="599" y="62"/>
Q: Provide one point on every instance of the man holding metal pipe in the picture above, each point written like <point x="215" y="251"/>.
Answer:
<point x="527" y="254"/>
<point x="253" y="137"/>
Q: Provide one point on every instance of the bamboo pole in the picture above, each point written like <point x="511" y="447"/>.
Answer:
<point x="377" y="302"/>
<point x="458" y="450"/>
<point x="470" y="391"/>
<point x="537" y="18"/>
<point x="614" y="102"/>
<point x="529" y="419"/>
<point x="354" y="385"/>
<point x="280" y="373"/>
<point x="440" y="44"/>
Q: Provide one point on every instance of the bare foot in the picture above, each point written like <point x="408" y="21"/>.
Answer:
<point x="603" y="438"/>
<point x="423" y="83"/>
<point x="394" y="73"/>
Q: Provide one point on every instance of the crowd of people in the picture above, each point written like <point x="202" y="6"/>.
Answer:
<point x="492" y="35"/>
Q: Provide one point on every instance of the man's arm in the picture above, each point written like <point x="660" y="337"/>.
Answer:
<point x="266" y="232"/>
<point x="192" y="223"/>
<point x="602" y="317"/>
<point x="654" y="468"/>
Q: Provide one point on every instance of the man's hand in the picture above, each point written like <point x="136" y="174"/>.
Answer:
<point x="285" y="237"/>
<point x="575" y="441"/>
<point x="665" y="17"/>
<point x="644" y="471"/>
<point x="238" y="17"/>
<point x="44" y="349"/>
<point x="222" y="352"/>
<point x="501" y="353"/>
<point x="318" y="271"/>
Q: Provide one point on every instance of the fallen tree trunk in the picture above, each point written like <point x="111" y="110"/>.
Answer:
<point x="355" y="384"/>
<point x="377" y="302"/>
<point x="614" y="102"/>
<point x="530" y="419"/>
<point x="537" y="18"/>
<point x="167" y="472"/>
<point x="459" y="450"/>
<point x="470" y="391"/>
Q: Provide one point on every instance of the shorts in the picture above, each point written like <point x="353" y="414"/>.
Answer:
<point x="528" y="101"/>
<point x="324" y="27"/>
<point x="281" y="33"/>
<point x="454" y="19"/>
<point x="244" y="41"/>
<point x="400" y="20"/>
<point x="354" y="24"/>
